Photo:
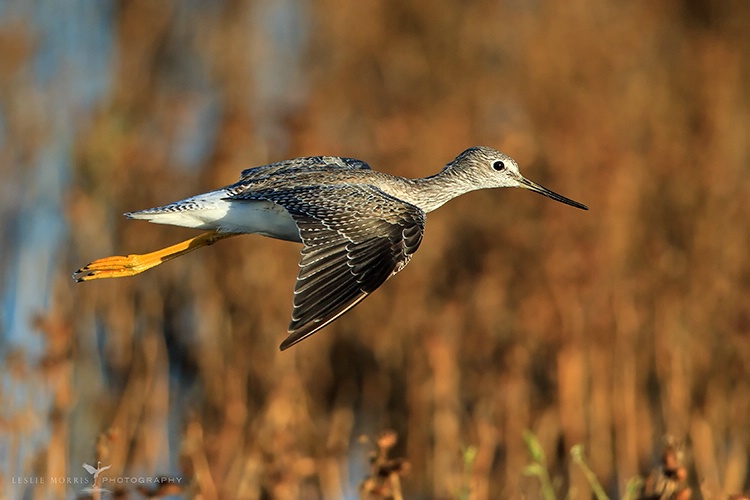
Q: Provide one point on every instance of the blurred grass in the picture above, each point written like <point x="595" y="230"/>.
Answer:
<point x="609" y="328"/>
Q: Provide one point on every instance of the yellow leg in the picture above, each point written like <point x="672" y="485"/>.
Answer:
<point x="118" y="266"/>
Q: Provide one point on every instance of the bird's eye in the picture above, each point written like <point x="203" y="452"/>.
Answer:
<point x="499" y="166"/>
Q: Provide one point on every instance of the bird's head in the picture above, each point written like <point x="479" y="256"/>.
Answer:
<point x="489" y="168"/>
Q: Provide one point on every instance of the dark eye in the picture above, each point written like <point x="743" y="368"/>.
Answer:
<point x="499" y="166"/>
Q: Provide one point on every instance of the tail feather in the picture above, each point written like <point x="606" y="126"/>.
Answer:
<point x="199" y="212"/>
<point x="215" y="211"/>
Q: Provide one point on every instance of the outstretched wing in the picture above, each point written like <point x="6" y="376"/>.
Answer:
<point x="354" y="238"/>
<point x="89" y="468"/>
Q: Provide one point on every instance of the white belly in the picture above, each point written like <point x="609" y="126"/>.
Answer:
<point x="261" y="217"/>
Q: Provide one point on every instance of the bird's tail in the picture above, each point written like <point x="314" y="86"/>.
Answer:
<point x="199" y="212"/>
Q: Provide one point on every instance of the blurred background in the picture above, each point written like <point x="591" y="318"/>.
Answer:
<point x="621" y="329"/>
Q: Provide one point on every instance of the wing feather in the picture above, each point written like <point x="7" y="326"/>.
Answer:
<point x="354" y="237"/>
<point x="302" y="165"/>
<point x="317" y="278"/>
<point x="332" y="258"/>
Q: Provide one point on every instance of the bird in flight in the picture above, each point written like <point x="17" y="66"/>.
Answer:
<point x="95" y="471"/>
<point x="358" y="227"/>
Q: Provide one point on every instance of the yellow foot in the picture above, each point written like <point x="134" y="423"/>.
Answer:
<point x="118" y="266"/>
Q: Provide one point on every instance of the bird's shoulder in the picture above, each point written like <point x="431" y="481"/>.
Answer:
<point x="344" y="204"/>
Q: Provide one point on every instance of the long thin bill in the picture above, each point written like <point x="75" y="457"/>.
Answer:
<point x="533" y="186"/>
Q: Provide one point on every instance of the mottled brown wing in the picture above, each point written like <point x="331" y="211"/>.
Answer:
<point x="355" y="238"/>
<point x="301" y="165"/>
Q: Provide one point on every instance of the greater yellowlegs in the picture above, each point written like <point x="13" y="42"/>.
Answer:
<point x="358" y="227"/>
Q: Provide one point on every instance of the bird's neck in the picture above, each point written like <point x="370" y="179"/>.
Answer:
<point x="427" y="193"/>
<point x="434" y="191"/>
